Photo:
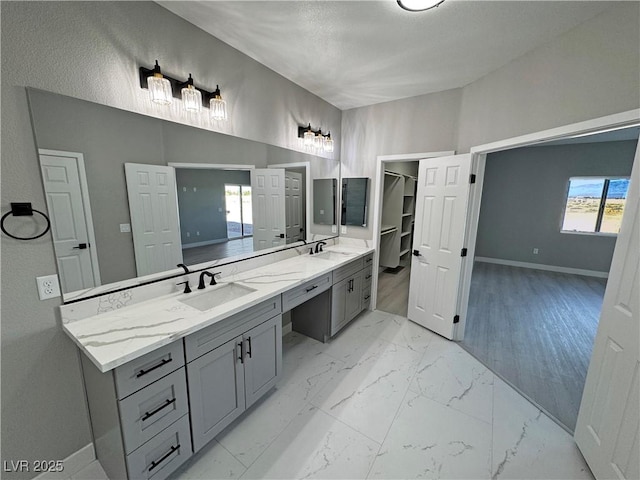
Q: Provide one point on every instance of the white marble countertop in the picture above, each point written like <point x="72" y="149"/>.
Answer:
<point x="112" y="339"/>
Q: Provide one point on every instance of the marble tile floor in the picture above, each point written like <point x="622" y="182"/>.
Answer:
<point x="386" y="399"/>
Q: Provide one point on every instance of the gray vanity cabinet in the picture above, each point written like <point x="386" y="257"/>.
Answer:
<point x="216" y="391"/>
<point x="346" y="301"/>
<point x="230" y="365"/>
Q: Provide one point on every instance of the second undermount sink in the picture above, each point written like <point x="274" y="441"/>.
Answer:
<point x="330" y="255"/>
<point x="218" y="295"/>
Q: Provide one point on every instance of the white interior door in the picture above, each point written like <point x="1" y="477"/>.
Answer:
<point x="441" y="209"/>
<point x="293" y="206"/>
<point x="607" y="430"/>
<point x="153" y="205"/>
<point x="267" y="195"/>
<point x="69" y="227"/>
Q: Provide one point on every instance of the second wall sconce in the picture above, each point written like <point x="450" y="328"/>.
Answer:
<point x="315" y="140"/>
<point x="162" y="89"/>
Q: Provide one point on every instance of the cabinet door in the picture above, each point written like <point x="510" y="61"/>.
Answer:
<point x="354" y="297"/>
<point x="339" y="305"/>
<point x="262" y="358"/>
<point x="216" y="391"/>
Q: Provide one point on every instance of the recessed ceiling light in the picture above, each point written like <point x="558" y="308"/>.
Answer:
<point x="419" y="5"/>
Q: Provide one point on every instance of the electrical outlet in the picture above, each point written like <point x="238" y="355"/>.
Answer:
<point x="343" y="229"/>
<point x="334" y="229"/>
<point x="535" y="251"/>
<point x="48" y="287"/>
<point x="125" y="227"/>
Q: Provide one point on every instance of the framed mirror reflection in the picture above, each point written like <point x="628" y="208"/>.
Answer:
<point x="131" y="195"/>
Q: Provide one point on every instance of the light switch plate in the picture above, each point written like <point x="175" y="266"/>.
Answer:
<point x="48" y="287"/>
<point x="125" y="227"/>
<point x="334" y="229"/>
<point x="343" y="230"/>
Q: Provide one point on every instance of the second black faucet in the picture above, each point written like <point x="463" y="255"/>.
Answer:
<point x="201" y="284"/>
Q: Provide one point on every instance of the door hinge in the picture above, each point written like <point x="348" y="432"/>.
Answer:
<point x="472" y="178"/>
<point x="463" y="252"/>
<point x="456" y="319"/>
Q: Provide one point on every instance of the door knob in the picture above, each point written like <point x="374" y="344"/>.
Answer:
<point x="81" y="246"/>
<point x="416" y="253"/>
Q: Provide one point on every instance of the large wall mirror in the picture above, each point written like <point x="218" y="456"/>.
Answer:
<point x="131" y="196"/>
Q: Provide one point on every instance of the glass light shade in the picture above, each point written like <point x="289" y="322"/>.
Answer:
<point x="328" y="144"/>
<point x="309" y="139"/>
<point x="192" y="99"/>
<point x="159" y="89"/>
<point x="218" y="108"/>
<point x="419" y="5"/>
<point x="318" y="141"/>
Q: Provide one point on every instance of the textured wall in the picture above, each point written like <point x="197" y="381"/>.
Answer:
<point x="91" y="50"/>
<point x="523" y="200"/>
<point x="590" y="71"/>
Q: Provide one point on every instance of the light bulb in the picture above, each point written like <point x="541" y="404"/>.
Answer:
<point x="159" y="87"/>
<point x="217" y="106"/>
<point x="328" y="144"/>
<point x="191" y="97"/>
<point x="309" y="138"/>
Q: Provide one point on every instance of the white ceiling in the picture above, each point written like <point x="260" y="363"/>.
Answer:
<point x="357" y="53"/>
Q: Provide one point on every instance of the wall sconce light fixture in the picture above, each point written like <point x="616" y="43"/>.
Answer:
<point x="162" y="88"/>
<point x="315" y="141"/>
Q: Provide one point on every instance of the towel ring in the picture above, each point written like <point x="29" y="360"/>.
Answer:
<point x="23" y="210"/>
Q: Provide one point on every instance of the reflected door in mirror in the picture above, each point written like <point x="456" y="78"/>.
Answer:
<point x="154" y="217"/>
<point x="267" y="188"/>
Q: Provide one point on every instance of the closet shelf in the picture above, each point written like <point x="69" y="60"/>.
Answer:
<point x="407" y="214"/>
<point x="388" y="229"/>
<point x="404" y="252"/>
<point x="405" y="233"/>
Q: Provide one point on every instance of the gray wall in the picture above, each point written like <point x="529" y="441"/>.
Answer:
<point x="91" y="51"/>
<point x="199" y="209"/>
<point x="523" y="201"/>
<point x="588" y="72"/>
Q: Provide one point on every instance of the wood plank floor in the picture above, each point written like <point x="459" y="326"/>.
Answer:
<point x="237" y="246"/>
<point x="535" y="329"/>
<point x="393" y="292"/>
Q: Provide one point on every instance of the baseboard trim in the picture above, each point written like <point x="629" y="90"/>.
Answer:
<point x="540" y="266"/>
<point x="72" y="464"/>
<point x="286" y="329"/>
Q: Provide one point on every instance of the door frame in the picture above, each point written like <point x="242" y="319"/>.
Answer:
<point x="308" y="192"/>
<point x="378" y="191"/>
<point x="478" y="163"/>
<point x="86" y="205"/>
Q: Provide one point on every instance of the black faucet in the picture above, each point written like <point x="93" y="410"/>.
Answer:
<point x="204" y="274"/>
<point x="187" y="289"/>
<point x="186" y="269"/>
<point x="319" y="246"/>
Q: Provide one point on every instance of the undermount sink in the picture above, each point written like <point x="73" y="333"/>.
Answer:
<point x="218" y="295"/>
<point x="334" y="256"/>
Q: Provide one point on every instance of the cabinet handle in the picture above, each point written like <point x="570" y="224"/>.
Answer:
<point x="249" y="348"/>
<point x="162" y="407"/>
<point x="312" y="288"/>
<point x="369" y="260"/>
<point x="241" y="357"/>
<point x="161" y="364"/>
<point x="368" y="277"/>
<point x="155" y="463"/>
<point x="367" y="297"/>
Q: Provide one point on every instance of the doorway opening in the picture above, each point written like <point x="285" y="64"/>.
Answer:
<point x="396" y="236"/>
<point x="237" y="200"/>
<point x="548" y="221"/>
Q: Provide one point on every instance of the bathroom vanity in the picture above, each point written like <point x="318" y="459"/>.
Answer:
<point x="165" y="376"/>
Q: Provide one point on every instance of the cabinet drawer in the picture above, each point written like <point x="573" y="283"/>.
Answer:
<point x="301" y="294"/>
<point x="366" y="297"/>
<point x="347" y="270"/>
<point x="367" y="275"/>
<point x="152" y="409"/>
<point x="139" y="373"/>
<point x="209" y="338"/>
<point x="368" y="260"/>
<point x="163" y="454"/>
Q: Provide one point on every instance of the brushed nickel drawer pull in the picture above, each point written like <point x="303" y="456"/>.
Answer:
<point x="155" y="463"/>
<point x="161" y="407"/>
<point x="161" y="364"/>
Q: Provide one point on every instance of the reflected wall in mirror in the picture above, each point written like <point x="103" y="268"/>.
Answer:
<point x="190" y="195"/>
<point x="324" y="201"/>
<point x="355" y="197"/>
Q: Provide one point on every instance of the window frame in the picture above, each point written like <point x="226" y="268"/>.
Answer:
<point x="603" y="199"/>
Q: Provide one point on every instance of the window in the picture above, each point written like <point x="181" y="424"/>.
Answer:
<point x="595" y="204"/>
